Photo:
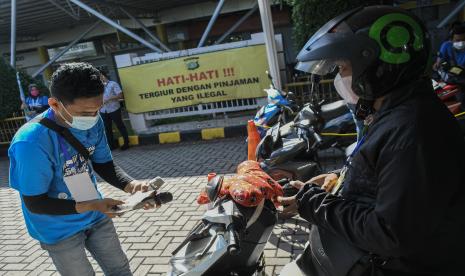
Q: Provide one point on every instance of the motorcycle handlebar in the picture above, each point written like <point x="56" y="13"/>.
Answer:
<point x="233" y="246"/>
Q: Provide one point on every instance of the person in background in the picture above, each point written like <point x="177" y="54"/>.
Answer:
<point x="35" y="103"/>
<point x="111" y="111"/>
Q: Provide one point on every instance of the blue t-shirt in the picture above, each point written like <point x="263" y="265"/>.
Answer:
<point x="39" y="101"/>
<point x="36" y="105"/>
<point x="447" y="52"/>
<point x="38" y="165"/>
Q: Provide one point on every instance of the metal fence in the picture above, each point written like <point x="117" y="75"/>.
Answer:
<point x="202" y="109"/>
<point x="304" y="90"/>
<point x="8" y="128"/>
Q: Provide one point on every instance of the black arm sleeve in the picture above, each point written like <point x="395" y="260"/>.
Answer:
<point x="113" y="174"/>
<point x="44" y="205"/>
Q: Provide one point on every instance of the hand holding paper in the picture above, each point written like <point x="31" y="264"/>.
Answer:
<point x="141" y="198"/>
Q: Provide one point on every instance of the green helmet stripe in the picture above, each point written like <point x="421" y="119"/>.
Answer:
<point x="397" y="36"/>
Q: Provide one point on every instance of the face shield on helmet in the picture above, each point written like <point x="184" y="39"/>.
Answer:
<point x="318" y="67"/>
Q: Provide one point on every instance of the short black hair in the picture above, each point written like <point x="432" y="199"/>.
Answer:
<point x="76" y="80"/>
<point x="458" y="30"/>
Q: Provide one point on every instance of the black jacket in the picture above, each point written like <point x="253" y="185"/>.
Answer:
<point x="404" y="193"/>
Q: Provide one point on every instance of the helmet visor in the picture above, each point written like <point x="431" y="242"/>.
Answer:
<point x="318" y="67"/>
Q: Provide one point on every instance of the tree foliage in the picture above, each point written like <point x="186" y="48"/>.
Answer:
<point x="309" y="15"/>
<point x="10" y="101"/>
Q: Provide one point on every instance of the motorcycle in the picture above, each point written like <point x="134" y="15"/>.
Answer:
<point x="281" y="107"/>
<point x="447" y="93"/>
<point x="229" y="240"/>
<point x="285" y="149"/>
<point x="448" y="84"/>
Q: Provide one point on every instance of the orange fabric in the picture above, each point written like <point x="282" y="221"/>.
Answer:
<point x="249" y="187"/>
<point x="246" y="166"/>
<point x="203" y="198"/>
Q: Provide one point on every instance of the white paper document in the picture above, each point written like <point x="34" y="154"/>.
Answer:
<point x="81" y="187"/>
<point x="136" y="200"/>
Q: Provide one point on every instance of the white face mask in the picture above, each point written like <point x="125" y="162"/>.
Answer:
<point x="80" y="122"/>
<point x="344" y="89"/>
<point x="459" y="45"/>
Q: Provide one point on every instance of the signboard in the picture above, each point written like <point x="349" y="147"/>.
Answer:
<point x="79" y="50"/>
<point x="24" y="60"/>
<point x="211" y="77"/>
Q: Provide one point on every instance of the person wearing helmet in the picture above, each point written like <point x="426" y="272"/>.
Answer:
<point x="399" y="203"/>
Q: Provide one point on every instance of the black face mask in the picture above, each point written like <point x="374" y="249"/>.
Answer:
<point x="363" y="109"/>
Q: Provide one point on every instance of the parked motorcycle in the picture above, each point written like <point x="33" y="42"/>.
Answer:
<point x="281" y="107"/>
<point x="449" y="85"/>
<point x="295" y="145"/>
<point x="448" y="93"/>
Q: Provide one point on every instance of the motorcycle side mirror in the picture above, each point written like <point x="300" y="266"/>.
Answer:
<point x="214" y="187"/>
<point x="269" y="75"/>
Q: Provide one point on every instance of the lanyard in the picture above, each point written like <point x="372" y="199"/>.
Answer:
<point x="63" y="148"/>
<point x="65" y="151"/>
<point x="358" y="146"/>
<point x="341" y="178"/>
<point x="35" y="102"/>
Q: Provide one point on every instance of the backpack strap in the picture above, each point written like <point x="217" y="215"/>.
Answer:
<point x="67" y="135"/>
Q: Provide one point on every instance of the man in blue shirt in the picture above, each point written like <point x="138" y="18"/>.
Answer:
<point x="43" y="167"/>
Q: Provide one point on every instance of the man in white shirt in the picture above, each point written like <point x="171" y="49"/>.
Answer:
<point x="111" y="111"/>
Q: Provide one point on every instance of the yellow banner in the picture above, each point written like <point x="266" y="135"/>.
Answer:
<point x="211" y="77"/>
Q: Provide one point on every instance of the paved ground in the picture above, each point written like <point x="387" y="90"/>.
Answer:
<point x="149" y="237"/>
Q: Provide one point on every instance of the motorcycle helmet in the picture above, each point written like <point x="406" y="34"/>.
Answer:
<point x="385" y="46"/>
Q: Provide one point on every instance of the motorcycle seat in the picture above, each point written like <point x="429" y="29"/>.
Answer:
<point x="291" y="148"/>
<point x="333" y="110"/>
